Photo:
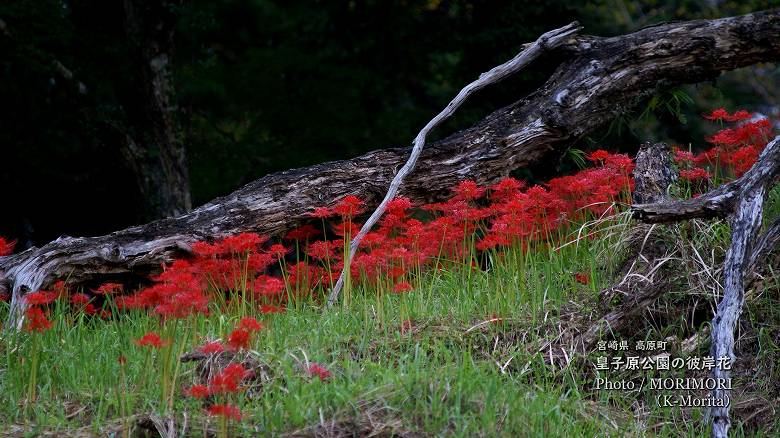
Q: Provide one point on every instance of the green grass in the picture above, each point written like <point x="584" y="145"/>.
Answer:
<point x="450" y="371"/>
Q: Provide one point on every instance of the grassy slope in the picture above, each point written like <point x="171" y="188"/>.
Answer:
<point x="449" y="373"/>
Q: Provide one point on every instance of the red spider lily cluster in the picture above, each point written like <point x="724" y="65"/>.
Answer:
<point x="735" y="150"/>
<point x="409" y="238"/>
<point x="151" y="339"/>
<point x="229" y="379"/>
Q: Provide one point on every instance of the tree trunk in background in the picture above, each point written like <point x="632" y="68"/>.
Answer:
<point x="152" y="146"/>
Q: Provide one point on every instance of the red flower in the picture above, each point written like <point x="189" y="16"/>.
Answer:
<point x="321" y="212"/>
<point x="598" y="156"/>
<point x="467" y="190"/>
<point x="268" y="286"/>
<point x="398" y="206"/>
<point x="238" y="339"/>
<point x="108" y="288"/>
<point x="302" y="233"/>
<point x="198" y="391"/>
<point x="241" y="243"/>
<point x="694" y="174"/>
<point x="224" y="410"/>
<point x="36" y="320"/>
<point x="250" y="324"/>
<point x="403" y="286"/>
<point x="722" y="114"/>
<point x="214" y="347"/>
<point x="40" y="298"/>
<point x="228" y="379"/>
<point x="349" y="206"/>
<point x="318" y="370"/>
<point x="6" y="246"/>
<point x="681" y="156"/>
<point x="582" y="277"/>
<point x="268" y="308"/>
<point x="321" y="250"/>
<point x="278" y="250"/>
<point x="79" y="299"/>
<point x="151" y="339"/>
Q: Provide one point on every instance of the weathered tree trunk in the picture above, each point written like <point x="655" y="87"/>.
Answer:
<point x="152" y="146"/>
<point x="596" y="80"/>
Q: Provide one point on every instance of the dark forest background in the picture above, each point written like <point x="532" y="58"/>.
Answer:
<point x="104" y="103"/>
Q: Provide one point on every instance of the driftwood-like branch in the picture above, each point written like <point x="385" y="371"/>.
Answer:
<point x="742" y="202"/>
<point x="597" y="79"/>
<point x="547" y="41"/>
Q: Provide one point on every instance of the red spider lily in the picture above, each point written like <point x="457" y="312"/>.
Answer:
<point x="250" y="324"/>
<point x="505" y="188"/>
<point x="401" y="287"/>
<point x="108" y="288"/>
<point x="322" y="212"/>
<point x="183" y="304"/>
<point x="682" y="157"/>
<point x="198" y="391"/>
<point x="318" y="370"/>
<point x="745" y="134"/>
<point x="90" y="309"/>
<point x="346" y="228"/>
<point x="722" y="114"/>
<point x="269" y="308"/>
<point x="302" y="233"/>
<point x="582" y="277"/>
<point x="36" y="320"/>
<point x="239" y="339"/>
<point x="6" y="246"/>
<point x="60" y="289"/>
<point x="241" y="243"/>
<point x="398" y="206"/>
<point x="225" y="411"/>
<point x="278" y="250"/>
<point x="214" y="347"/>
<point x="228" y="379"/>
<point x="80" y="299"/>
<point x="268" y="286"/>
<point x="349" y="206"/>
<point x="151" y="339"/>
<point x="468" y="190"/>
<point x="694" y="174"/>
<point x="40" y="298"/>
<point x="598" y="156"/>
<point x="322" y="250"/>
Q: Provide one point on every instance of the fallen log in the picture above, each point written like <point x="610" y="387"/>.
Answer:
<point x="741" y="202"/>
<point x="597" y="79"/>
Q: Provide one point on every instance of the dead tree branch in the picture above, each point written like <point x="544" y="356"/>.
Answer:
<point x="548" y="41"/>
<point x="741" y="201"/>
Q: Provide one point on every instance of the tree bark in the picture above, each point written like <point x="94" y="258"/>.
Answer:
<point x="152" y="145"/>
<point x="596" y="80"/>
